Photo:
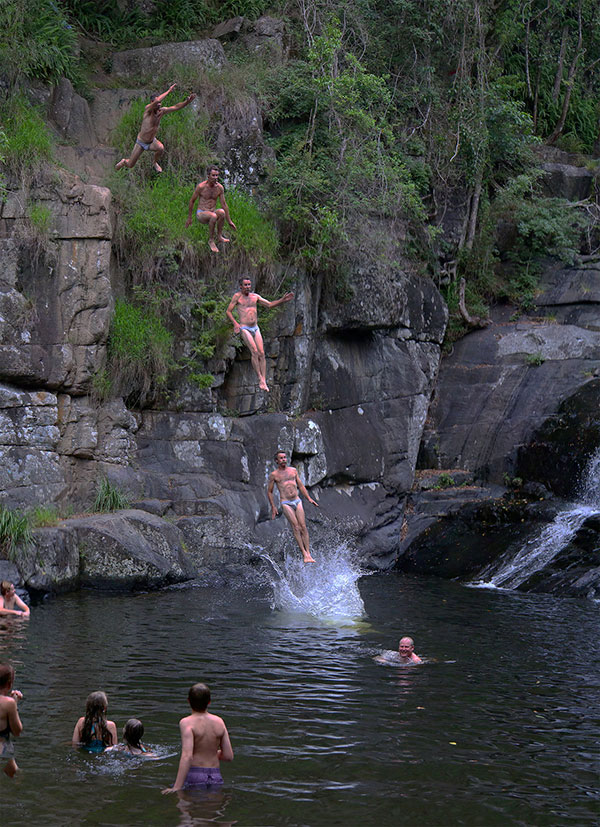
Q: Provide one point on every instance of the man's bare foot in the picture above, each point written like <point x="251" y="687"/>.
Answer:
<point x="121" y="163"/>
<point x="309" y="559"/>
<point x="222" y="238"/>
<point x="212" y="245"/>
<point x="263" y="386"/>
<point x="157" y="167"/>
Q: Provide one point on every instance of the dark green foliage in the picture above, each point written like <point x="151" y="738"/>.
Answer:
<point x="109" y="497"/>
<point x="37" y="41"/>
<point x="139" y="353"/>
<point x="27" y="141"/>
<point x="15" y="532"/>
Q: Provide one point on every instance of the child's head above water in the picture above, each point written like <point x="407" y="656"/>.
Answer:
<point x="96" y="705"/>
<point x="199" y="697"/>
<point x="7" y="676"/>
<point x="133" y="732"/>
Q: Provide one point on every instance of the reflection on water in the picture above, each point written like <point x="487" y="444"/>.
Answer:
<point x="498" y="728"/>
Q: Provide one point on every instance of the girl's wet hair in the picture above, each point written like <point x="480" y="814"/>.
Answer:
<point x="5" y="586"/>
<point x="133" y="732"/>
<point x="94" y="724"/>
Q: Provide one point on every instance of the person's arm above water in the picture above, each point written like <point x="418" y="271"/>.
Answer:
<point x="12" y="715"/>
<point x="187" y="753"/>
<point x="76" y="739"/>
<point x="303" y="490"/>
<point x="287" y="298"/>
<point x="23" y="607"/>
<point x="229" y="312"/>
<point x="225" y="752"/>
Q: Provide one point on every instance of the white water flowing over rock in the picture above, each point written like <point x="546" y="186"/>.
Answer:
<point x="328" y="588"/>
<point x="540" y="549"/>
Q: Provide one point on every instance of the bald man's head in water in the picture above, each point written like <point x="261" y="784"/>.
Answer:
<point x="406" y="651"/>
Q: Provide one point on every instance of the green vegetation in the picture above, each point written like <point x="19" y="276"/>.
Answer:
<point x="124" y="24"/>
<point x="44" y="516"/>
<point x="535" y="359"/>
<point x="109" y="497"/>
<point x="15" y="532"/>
<point x="40" y="217"/>
<point x="27" y="141"/>
<point x="37" y="41"/>
<point x="139" y="353"/>
<point x="445" y="480"/>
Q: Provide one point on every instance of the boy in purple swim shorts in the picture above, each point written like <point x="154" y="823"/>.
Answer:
<point x="204" y="743"/>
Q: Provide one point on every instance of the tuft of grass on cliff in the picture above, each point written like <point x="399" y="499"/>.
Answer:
<point x="139" y="352"/>
<point x="27" y="142"/>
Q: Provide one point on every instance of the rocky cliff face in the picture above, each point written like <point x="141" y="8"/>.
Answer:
<point x="350" y="388"/>
<point x="351" y="382"/>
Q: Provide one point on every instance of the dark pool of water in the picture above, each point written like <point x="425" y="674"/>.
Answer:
<point x="499" y="728"/>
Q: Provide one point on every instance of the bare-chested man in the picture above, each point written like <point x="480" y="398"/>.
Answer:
<point x="405" y="654"/>
<point x="288" y="482"/>
<point x="208" y="193"/>
<point x="245" y="301"/>
<point x="204" y="743"/>
<point x="146" y="138"/>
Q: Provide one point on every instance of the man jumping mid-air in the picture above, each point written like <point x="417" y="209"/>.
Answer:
<point x="208" y="192"/>
<point x="146" y="138"/>
<point x="245" y="301"/>
<point x="288" y="482"/>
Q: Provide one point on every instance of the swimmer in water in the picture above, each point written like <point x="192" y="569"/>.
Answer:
<point x="92" y="730"/>
<point x="133" y="732"/>
<point x="204" y="743"/>
<point x="10" y="723"/>
<point x="10" y="602"/>
<point x="288" y="482"/>
<point x="404" y="655"/>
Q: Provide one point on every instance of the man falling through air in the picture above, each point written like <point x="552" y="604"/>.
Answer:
<point x="245" y="301"/>
<point x="288" y="482"/>
<point x="207" y="193"/>
<point x="146" y="139"/>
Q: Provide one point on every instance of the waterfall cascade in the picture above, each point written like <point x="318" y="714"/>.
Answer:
<point x="513" y="569"/>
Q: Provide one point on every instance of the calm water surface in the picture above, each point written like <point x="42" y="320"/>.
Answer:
<point x="499" y="728"/>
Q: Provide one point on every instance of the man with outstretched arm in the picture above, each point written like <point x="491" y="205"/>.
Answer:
<point x="207" y="193"/>
<point x="288" y="482"/>
<point x="245" y="301"/>
<point x="146" y="138"/>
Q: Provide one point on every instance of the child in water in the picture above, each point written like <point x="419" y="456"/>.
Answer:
<point x="204" y="743"/>
<point x="10" y="723"/>
<point x="133" y="732"/>
<point x="93" y="731"/>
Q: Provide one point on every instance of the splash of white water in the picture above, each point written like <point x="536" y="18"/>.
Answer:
<point x="327" y="588"/>
<point x="538" y="551"/>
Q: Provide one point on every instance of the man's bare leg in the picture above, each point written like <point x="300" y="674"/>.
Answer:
<point x="255" y="357"/>
<point x="220" y="222"/>
<point x="11" y="768"/>
<point x="210" y="218"/>
<point x="262" y="362"/>
<point x="308" y="558"/>
<point x="158" y="153"/>
<point x="132" y="160"/>
<point x="293" y="520"/>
